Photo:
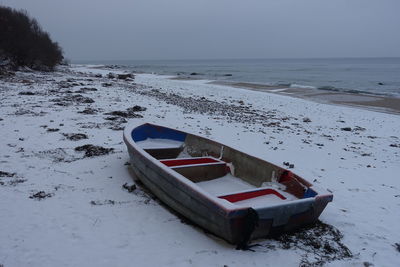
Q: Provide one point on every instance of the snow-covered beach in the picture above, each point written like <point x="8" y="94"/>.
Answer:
<point x="64" y="203"/>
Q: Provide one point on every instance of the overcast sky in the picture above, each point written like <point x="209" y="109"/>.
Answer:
<point x="218" y="29"/>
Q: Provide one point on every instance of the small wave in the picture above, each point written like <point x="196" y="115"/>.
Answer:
<point x="329" y="88"/>
<point x="354" y="91"/>
<point x="351" y="91"/>
<point x="284" y="84"/>
<point x="295" y="85"/>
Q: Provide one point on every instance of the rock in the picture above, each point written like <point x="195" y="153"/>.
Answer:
<point x="117" y="113"/>
<point x="288" y="164"/>
<point x="100" y="203"/>
<point x="53" y="129"/>
<point x="347" y="129"/>
<point x="84" y="90"/>
<point x="130" y="188"/>
<point x="125" y="76"/>
<point x="26" y="93"/>
<point x="117" y="120"/>
<point x="106" y="84"/>
<point x="41" y="195"/>
<point x="88" y="111"/>
<point x="6" y="174"/>
<point x="358" y="128"/>
<point x="64" y="84"/>
<point x="75" y="136"/>
<point x="136" y="109"/>
<point x="112" y="118"/>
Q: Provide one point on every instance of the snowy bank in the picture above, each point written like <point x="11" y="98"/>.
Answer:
<point x="63" y="167"/>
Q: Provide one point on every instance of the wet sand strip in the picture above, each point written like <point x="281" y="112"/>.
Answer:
<point x="371" y="102"/>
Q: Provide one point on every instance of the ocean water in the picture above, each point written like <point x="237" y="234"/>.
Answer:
<point x="376" y="76"/>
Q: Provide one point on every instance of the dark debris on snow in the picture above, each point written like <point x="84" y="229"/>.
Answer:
<point x="92" y="150"/>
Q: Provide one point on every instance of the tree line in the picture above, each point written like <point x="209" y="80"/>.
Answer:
<point x="24" y="43"/>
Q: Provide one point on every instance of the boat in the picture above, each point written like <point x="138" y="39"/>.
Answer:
<point x="229" y="193"/>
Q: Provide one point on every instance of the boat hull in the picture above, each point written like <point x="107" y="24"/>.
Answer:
<point x="235" y="224"/>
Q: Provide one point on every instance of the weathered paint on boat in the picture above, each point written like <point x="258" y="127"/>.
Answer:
<point x="219" y="214"/>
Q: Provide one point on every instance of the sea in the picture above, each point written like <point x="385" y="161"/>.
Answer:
<point x="375" y="76"/>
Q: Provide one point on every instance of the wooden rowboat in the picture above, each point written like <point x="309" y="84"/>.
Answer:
<point x="231" y="194"/>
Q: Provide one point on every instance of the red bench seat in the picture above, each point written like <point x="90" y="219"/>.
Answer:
<point x="251" y="194"/>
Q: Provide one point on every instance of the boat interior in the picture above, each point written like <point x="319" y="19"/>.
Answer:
<point x="220" y="170"/>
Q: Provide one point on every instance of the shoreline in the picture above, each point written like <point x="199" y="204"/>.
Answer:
<point x="377" y="103"/>
<point x="371" y="102"/>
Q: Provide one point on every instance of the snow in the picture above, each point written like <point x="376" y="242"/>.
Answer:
<point x="152" y="143"/>
<point x="225" y="185"/>
<point x="90" y="220"/>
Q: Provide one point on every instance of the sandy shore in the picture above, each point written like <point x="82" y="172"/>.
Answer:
<point x="370" y="102"/>
<point x="67" y="197"/>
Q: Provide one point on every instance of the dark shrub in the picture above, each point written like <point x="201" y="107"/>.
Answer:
<point x="24" y="43"/>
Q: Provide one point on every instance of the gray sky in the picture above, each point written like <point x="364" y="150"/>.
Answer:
<point x="218" y="29"/>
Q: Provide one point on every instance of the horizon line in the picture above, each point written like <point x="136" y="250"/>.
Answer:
<point x="228" y="59"/>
